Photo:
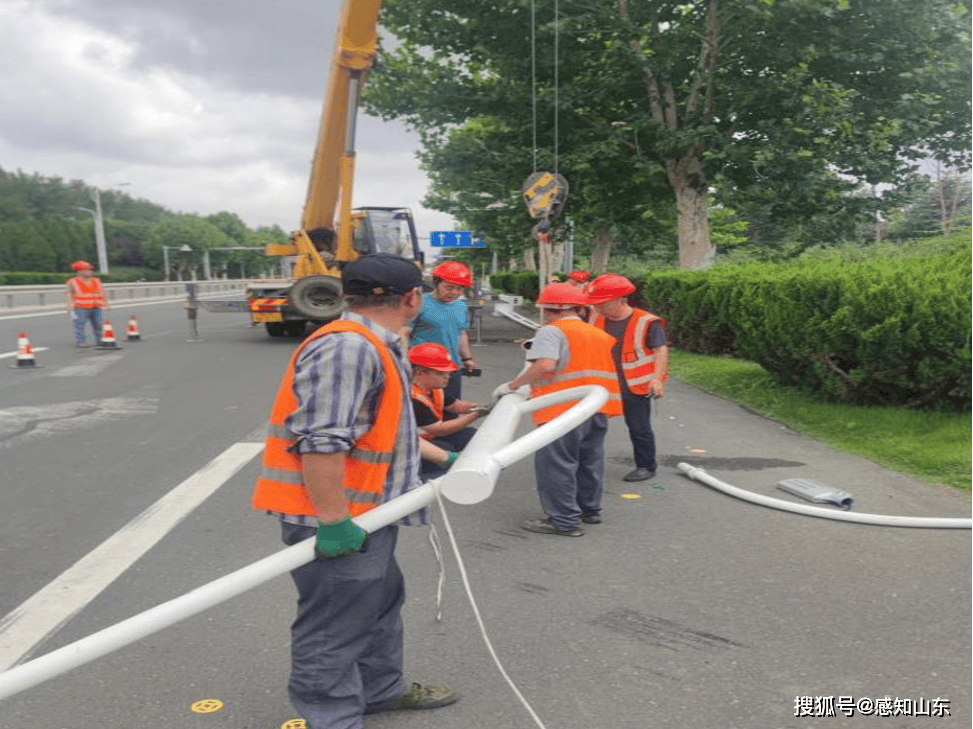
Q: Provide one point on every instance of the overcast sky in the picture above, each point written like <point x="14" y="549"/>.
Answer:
<point x="200" y="105"/>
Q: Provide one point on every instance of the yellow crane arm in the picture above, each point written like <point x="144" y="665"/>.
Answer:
<point x="332" y="173"/>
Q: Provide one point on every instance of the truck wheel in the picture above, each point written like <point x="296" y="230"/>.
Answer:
<point x="275" y="328"/>
<point x="295" y="328"/>
<point x="317" y="297"/>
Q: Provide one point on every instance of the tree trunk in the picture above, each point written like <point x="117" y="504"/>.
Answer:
<point x="603" y="247"/>
<point x="556" y="261"/>
<point x="543" y="264"/>
<point x="529" y="259"/>
<point x="692" y="198"/>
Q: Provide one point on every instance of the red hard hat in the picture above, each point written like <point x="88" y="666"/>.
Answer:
<point x="561" y="296"/>
<point x="453" y="272"/>
<point x="431" y="355"/>
<point x="81" y="266"/>
<point x="608" y="286"/>
<point x="580" y="276"/>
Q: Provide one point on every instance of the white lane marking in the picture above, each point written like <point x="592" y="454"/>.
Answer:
<point x="28" y="423"/>
<point x="52" y="606"/>
<point x="89" y="367"/>
<point x="5" y="355"/>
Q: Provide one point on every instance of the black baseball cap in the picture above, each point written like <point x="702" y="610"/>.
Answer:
<point x="380" y="274"/>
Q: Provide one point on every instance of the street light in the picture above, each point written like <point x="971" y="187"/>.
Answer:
<point x="184" y="248"/>
<point x="100" y="226"/>
<point x="207" y="272"/>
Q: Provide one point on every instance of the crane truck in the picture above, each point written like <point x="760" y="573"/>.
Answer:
<point x="331" y="232"/>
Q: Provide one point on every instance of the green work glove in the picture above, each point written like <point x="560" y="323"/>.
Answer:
<point x="338" y="538"/>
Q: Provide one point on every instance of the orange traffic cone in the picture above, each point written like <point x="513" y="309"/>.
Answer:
<point x="107" y="337"/>
<point x="25" y="352"/>
<point x="132" y="330"/>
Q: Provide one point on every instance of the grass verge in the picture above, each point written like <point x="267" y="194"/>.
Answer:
<point x="933" y="447"/>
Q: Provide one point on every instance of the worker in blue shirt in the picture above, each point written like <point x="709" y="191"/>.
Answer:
<point x="444" y="320"/>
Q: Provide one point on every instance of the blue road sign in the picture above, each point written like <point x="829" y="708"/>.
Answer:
<point x="454" y="239"/>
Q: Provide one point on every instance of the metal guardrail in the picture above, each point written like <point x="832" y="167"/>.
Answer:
<point x="504" y="306"/>
<point x="54" y="296"/>
<point x="470" y="480"/>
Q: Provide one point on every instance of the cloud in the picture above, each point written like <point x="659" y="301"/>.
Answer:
<point x="175" y="100"/>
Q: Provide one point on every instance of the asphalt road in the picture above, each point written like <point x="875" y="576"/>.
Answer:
<point x="686" y="608"/>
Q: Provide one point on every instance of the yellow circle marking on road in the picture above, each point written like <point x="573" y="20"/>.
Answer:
<point x="631" y="496"/>
<point x="206" y="706"/>
<point x="294" y="724"/>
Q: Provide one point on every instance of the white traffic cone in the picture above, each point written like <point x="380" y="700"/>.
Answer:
<point x="132" y="330"/>
<point x="25" y="353"/>
<point x="107" y="337"/>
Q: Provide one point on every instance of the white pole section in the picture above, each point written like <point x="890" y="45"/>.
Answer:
<point x="213" y="593"/>
<point x="475" y="473"/>
<point x="499" y="427"/>
<point x="928" y="522"/>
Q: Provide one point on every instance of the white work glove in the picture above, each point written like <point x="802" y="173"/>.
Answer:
<point x="504" y="389"/>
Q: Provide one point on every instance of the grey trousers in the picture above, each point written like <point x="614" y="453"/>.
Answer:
<point x="570" y="471"/>
<point x="346" y="642"/>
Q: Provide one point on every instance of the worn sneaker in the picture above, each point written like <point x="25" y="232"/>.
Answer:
<point x="430" y="696"/>
<point x="591" y="519"/>
<point x="544" y="526"/>
<point x="639" y="474"/>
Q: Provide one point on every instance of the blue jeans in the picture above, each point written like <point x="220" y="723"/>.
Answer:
<point x="79" y="317"/>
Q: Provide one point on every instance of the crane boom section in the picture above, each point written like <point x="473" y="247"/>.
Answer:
<point x="332" y="173"/>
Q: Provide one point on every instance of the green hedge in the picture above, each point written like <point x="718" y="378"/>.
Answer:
<point x="519" y="283"/>
<point x="118" y="275"/>
<point x="891" y="332"/>
<point x="32" y="278"/>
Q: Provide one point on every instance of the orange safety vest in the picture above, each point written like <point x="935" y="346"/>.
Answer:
<point x="280" y="487"/>
<point x="638" y="362"/>
<point x="589" y="363"/>
<point x="86" y="294"/>
<point x="436" y="403"/>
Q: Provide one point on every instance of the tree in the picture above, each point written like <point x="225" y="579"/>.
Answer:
<point x="184" y="230"/>
<point x="29" y="247"/>
<point x="932" y="206"/>
<point x="785" y="106"/>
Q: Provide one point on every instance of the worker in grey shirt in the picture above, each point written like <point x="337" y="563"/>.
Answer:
<point x="566" y="353"/>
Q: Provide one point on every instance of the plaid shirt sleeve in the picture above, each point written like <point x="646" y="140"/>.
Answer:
<point x="336" y="383"/>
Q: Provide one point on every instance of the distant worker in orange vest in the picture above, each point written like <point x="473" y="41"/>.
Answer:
<point x="566" y="352"/>
<point x="342" y="439"/>
<point x="641" y="355"/>
<point x="431" y="367"/>
<point x="86" y="300"/>
<point x="579" y="279"/>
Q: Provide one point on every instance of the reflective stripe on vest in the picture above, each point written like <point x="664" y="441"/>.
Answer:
<point x="280" y="487"/>
<point x="436" y="404"/>
<point x="638" y="361"/>
<point x="86" y="294"/>
<point x="589" y="363"/>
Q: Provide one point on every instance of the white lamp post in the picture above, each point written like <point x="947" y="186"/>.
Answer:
<point x="184" y="248"/>
<point x="100" y="227"/>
